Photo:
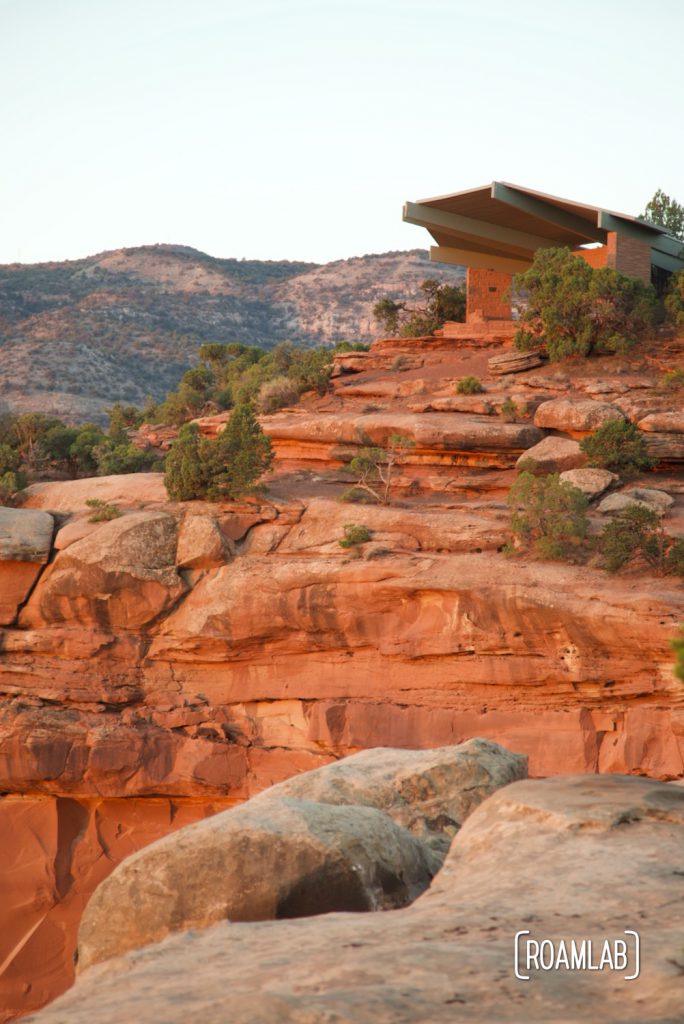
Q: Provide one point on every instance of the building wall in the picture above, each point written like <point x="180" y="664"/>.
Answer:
<point x="629" y="256"/>
<point x="487" y="295"/>
<point x="594" y="257"/>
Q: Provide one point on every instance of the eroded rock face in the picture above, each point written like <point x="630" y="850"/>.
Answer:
<point x="367" y="833"/>
<point x="122" y="576"/>
<point x="520" y="861"/>
<point x="55" y="851"/>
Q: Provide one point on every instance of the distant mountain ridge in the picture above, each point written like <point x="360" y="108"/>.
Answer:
<point x="122" y="325"/>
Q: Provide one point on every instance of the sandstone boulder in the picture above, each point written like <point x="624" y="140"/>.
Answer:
<point x="276" y="859"/>
<point x="592" y="482"/>
<point x="25" y="535"/>
<point x="122" y="574"/>
<point x="428" y="792"/>
<point x="576" y="415"/>
<point x="645" y="497"/>
<point x="552" y="455"/>
<point x="572" y="859"/>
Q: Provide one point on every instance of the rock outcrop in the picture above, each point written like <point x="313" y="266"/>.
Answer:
<point x="25" y="545"/>
<point x="519" y="864"/>
<point x="189" y="656"/>
<point x="368" y="833"/>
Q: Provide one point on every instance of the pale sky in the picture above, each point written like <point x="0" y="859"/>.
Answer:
<point x="295" y="129"/>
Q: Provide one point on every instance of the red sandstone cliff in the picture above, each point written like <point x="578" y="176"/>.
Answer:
<point x="183" y="657"/>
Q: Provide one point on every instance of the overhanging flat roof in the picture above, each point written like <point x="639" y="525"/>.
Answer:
<point x="502" y="225"/>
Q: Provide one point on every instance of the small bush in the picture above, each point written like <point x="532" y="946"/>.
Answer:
<point x="637" y="533"/>
<point x="102" y="511"/>
<point x="277" y="393"/>
<point x="469" y="386"/>
<point x="356" y="495"/>
<point x="550" y="515"/>
<point x="400" y="364"/>
<point x="619" y="447"/>
<point x="354" y="535"/>
<point x="509" y="410"/>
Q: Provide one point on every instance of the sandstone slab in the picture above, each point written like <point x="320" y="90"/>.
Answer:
<point x="576" y="415"/>
<point x="552" y="455"/>
<point x="126" y="489"/>
<point x="663" y="422"/>
<point x="514" y="362"/>
<point x="262" y="861"/>
<point x="592" y="482"/>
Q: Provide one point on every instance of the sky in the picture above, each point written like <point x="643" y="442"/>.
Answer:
<point x="295" y="129"/>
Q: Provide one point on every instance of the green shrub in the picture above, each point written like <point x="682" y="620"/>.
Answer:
<point x="239" y="456"/>
<point x="102" y="511"/>
<point x="9" y="459"/>
<point x="637" y="533"/>
<point x="469" y="386"/>
<point x="355" y="535"/>
<point x="114" y="459"/>
<point x="619" y="447"/>
<point x="550" y="515"/>
<point x="277" y="393"/>
<point x="674" y="299"/>
<point x="574" y="309"/>
<point x="509" y="410"/>
<point x="227" y="467"/>
<point x="185" y="472"/>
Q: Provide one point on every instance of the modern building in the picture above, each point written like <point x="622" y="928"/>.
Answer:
<point x="496" y="229"/>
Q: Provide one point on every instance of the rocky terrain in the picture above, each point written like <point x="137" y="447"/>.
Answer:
<point x="77" y="336"/>
<point x="179" y="659"/>
<point x="368" y="834"/>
